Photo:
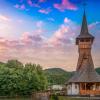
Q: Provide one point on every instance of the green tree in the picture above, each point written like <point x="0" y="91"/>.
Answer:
<point x="17" y="79"/>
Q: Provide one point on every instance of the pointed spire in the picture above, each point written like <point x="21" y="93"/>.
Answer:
<point x="84" y="28"/>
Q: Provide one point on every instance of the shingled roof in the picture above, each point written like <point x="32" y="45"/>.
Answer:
<point x="86" y="73"/>
<point x="84" y="29"/>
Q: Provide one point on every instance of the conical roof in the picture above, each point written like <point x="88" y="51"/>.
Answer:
<point x="84" y="29"/>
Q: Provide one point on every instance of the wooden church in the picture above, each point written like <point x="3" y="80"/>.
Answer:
<point x="85" y="80"/>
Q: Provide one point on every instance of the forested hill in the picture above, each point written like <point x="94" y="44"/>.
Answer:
<point x="59" y="76"/>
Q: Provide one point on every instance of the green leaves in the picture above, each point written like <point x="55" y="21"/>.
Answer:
<point x="17" y="79"/>
<point x="57" y="76"/>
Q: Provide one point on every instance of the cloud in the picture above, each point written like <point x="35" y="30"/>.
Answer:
<point x="4" y="18"/>
<point x="32" y="4"/>
<point x="39" y="24"/>
<point x="65" y="34"/>
<point x="94" y="30"/>
<point x="34" y="39"/>
<point x="22" y="6"/>
<point x="57" y="50"/>
<point x="45" y="11"/>
<point x="62" y="36"/>
<point x="66" y="20"/>
<point x="94" y="24"/>
<point x="65" y="4"/>
<point x="20" y="21"/>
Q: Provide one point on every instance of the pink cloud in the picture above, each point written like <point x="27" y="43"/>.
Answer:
<point x="4" y="18"/>
<point x="45" y="11"/>
<point x="54" y="51"/>
<point x="65" y="4"/>
<point x="91" y="26"/>
<point x="65" y="34"/>
<point x="34" y="38"/>
<point x="66" y="20"/>
<point x="61" y="36"/>
<point x="39" y="24"/>
<point x="22" y="7"/>
<point x="30" y="2"/>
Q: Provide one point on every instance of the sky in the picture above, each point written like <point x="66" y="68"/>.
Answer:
<point x="44" y="31"/>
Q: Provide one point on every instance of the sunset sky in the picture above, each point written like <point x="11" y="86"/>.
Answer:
<point x="44" y="31"/>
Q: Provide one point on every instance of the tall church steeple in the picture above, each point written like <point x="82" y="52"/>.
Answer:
<point x="85" y="80"/>
<point x="84" y="34"/>
<point x="85" y="71"/>
<point x="84" y="28"/>
<point x="84" y="42"/>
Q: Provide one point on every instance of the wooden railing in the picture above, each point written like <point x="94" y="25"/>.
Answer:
<point x="90" y="92"/>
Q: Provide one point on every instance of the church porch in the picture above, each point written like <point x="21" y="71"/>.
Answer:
<point x="90" y="89"/>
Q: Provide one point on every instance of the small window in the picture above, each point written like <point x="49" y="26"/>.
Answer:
<point x="82" y="40"/>
<point x="87" y="40"/>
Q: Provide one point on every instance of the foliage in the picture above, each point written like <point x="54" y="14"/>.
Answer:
<point x="17" y="79"/>
<point x="57" y="76"/>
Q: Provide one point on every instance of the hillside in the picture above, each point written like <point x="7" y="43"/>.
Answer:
<point x="59" y="76"/>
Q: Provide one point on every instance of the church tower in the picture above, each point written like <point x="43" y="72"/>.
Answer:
<point x="84" y="42"/>
<point x="85" y="80"/>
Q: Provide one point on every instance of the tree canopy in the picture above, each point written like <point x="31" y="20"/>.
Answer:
<point x="19" y="79"/>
